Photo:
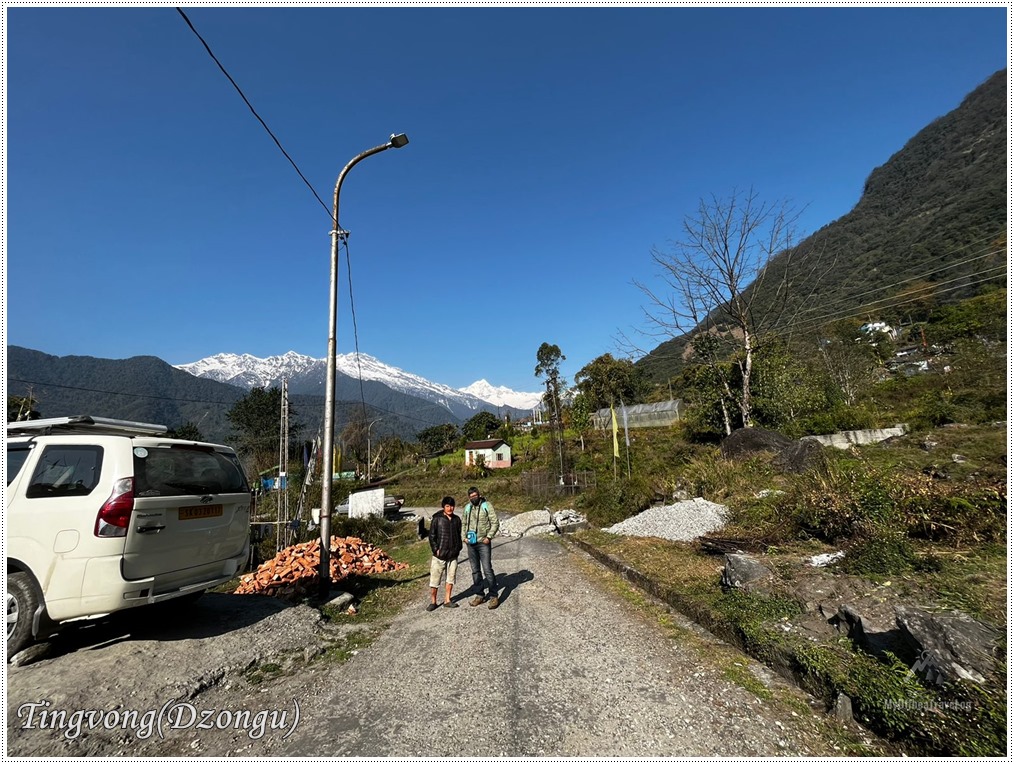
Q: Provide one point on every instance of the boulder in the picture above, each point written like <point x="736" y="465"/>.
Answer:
<point x="873" y="629"/>
<point x="750" y="440"/>
<point x="951" y="645"/>
<point x="842" y="708"/>
<point x="798" y="457"/>
<point x="743" y="572"/>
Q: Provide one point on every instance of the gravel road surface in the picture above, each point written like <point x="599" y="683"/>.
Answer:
<point x="565" y="667"/>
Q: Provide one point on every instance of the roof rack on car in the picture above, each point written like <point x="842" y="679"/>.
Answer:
<point x="93" y="424"/>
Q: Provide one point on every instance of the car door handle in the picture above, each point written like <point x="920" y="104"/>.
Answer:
<point x="150" y="528"/>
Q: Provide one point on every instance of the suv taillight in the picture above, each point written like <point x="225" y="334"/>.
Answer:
<point x="114" y="515"/>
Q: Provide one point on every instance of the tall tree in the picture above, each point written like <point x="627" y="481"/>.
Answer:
<point x="713" y="281"/>
<point x="438" y="438"/>
<point x="549" y="358"/>
<point x="481" y="426"/>
<point x="607" y="380"/>
<point x="256" y="418"/>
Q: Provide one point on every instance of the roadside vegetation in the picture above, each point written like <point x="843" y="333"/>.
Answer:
<point x="920" y="518"/>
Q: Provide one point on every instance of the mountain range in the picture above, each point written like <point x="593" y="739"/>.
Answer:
<point x="306" y="376"/>
<point x="148" y="389"/>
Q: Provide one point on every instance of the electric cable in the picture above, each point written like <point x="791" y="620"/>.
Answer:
<point x="856" y="310"/>
<point x="254" y="112"/>
<point x="851" y="297"/>
<point x="355" y="326"/>
<point x="348" y="263"/>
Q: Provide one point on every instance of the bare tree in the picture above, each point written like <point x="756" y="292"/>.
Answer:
<point x="730" y="278"/>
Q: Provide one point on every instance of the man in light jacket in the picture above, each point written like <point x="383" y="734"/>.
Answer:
<point x="479" y="525"/>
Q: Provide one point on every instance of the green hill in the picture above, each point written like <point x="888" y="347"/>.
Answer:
<point x="931" y="221"/>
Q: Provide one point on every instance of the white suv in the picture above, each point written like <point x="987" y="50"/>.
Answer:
<point x="103" y="514"/>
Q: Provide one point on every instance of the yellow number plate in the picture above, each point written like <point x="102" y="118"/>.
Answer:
<point x="206" y="510"/>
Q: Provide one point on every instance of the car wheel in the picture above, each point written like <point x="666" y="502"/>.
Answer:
<point x="22" y="602"/>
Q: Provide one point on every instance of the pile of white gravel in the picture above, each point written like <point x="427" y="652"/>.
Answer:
<point x="682" y="521"/>
<point x="528" y="524"/>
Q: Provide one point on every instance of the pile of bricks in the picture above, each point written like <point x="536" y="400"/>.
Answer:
<point x="294" y="570"/>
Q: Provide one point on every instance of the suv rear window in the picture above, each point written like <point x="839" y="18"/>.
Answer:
<point x="17" y="455"/>
<point x="65" y="470"/>
<point x="181" y="471"/>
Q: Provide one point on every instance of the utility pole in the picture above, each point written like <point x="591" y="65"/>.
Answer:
<point x="282" y="512"/>
<point x="326" y="501"/>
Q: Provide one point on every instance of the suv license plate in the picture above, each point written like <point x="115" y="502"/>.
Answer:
<point x="206" y="510"/>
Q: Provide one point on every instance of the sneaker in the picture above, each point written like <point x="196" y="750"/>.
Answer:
<point x="450" y="604"/>
<point x="494" y="603"/>
<point x="478" y="599"/>
<point x="431" y="607"/>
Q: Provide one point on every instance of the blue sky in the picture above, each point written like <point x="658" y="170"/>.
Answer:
<point x="149" y="213"/>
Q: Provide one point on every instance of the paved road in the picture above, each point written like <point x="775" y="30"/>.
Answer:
<point x="562" y="668"/>
<point x="565" y="667"/>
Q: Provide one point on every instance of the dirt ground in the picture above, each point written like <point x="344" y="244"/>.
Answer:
<point x="565" y="667"/>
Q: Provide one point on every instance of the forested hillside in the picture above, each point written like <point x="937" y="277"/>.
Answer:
<point x="147" y="389"/>
<point x="929" y="229"/>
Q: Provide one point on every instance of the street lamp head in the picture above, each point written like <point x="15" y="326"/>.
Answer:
<point x="399" y="140"/>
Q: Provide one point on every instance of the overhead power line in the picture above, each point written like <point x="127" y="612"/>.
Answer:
<point x="118" y="392"/>
<point x="890" y="302"/>
<point x="254" y="112"/>
<point x="851" y="297"/>
<point x="355" y="325"/>
<point x="348" y="260"/>
<point x="854" y="311"/>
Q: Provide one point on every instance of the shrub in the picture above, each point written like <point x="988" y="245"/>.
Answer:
<point x="612" y="501"/>
<point x="838" y="419"/>
<point x="959" y="513"/>
<point x="885" y="554"/>
<point x="933" y="409"/>
<point x="844" y="499"/>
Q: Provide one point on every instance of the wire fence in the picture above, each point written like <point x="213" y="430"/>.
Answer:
<point x="554" y="484"/>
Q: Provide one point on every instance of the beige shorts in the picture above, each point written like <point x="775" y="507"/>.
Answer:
<point x="439" y="567"/>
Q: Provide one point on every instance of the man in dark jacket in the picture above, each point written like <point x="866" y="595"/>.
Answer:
<point x="445" y="542"/>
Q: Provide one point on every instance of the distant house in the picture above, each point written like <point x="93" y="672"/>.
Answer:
<point x="879" y="326"/>
<point x="495" y="453"/>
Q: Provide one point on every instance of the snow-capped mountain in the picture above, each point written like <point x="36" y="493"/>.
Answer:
<point x="502" y="396"/>
<point x="306" y="375"/>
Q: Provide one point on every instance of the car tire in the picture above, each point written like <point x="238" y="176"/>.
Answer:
<point x="22" y="602"/>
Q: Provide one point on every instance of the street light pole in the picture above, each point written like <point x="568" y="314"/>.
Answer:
<point x="369" y="457"/>
<point x="326" y="502"/>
